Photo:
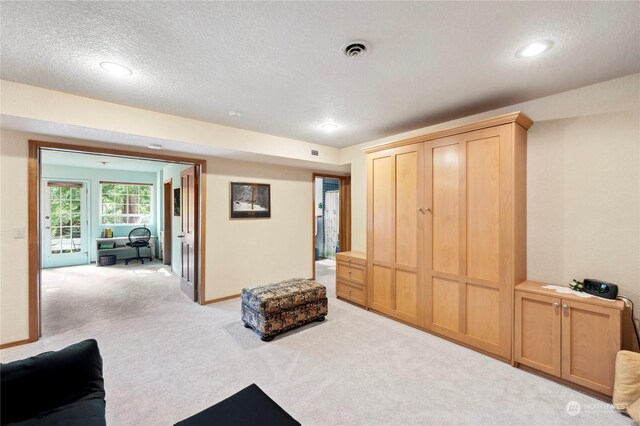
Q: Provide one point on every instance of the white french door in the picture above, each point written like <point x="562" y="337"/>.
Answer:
<point x="65" y="224"/>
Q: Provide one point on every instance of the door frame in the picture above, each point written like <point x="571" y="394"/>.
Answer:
<point x="167" y="219"/>
<point x="345" y="215"/>
<point x="34" y="231"/>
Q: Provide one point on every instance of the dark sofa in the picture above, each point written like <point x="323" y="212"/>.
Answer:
<point x="54" y="388"/>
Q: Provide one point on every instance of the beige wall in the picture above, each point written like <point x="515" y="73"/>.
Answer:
<point x="583" y="171"/>
<point x="239" y="253"/>
<point x="14" y="259"/>
<point x="105" y="121"/>
<point x="583" y="198"/>
<point x="243" y="252"/>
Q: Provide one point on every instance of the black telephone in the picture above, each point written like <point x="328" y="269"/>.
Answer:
<point x="600" y="288"/>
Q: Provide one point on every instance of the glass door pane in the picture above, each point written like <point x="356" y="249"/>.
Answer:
<point x="65" y="224"/>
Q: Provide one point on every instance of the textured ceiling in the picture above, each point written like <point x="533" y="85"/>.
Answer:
<point x="280" y="65"/>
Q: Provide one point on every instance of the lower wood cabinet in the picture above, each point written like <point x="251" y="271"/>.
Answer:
<point x="568" y="336"/>
<point x="351" y="277"/>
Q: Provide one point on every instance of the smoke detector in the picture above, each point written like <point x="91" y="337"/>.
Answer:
<point x="355" y="49"/>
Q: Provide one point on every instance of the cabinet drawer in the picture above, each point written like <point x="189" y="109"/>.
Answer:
<point x="351" y="272"/>
<point x="352" y="292"/>
<point x="347" y="257"/>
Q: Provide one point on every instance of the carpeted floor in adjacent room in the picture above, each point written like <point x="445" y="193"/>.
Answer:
<point x="166" y="358"/>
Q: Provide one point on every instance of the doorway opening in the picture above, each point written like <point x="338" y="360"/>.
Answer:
<point x="86" y="203"/>
<point x="331" y="222"/>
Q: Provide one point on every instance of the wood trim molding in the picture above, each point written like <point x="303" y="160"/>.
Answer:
<point x="516" y="117"/>
<point x="34" y="241"/>
<point x="203" y="232"/>
<point x="33" y="178"/>
<point x="345" y="213"/>
<point x="116" y="152"/>
<point x="16" y="343"/>
<point x="221" y="299"/>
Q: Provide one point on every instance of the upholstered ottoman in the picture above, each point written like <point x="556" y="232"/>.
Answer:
<point x="275" y="308"/>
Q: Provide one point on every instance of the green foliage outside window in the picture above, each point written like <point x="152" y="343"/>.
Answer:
<point x="125" y="204"/>
<point x="65" y="216"/>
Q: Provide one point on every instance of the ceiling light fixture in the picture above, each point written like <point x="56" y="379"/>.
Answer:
<point x="534" y="49"/>
<point x="154" y="146"/>
<point x="235" y="114"/>
<point x="328" y="127"/>
<point x="116" y="69"/>
<point x="104" y="163"/>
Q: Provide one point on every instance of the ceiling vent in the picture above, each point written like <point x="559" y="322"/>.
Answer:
<point x="355" y="49"/>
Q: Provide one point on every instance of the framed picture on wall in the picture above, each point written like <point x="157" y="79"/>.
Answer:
<point x="176" y="202"/>
<point x="250" y="200"/>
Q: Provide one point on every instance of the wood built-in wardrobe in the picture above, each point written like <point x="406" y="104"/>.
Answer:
<point x="446" y="231"/>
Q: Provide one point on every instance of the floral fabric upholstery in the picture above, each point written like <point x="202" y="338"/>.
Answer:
<point x="275" y="308"/>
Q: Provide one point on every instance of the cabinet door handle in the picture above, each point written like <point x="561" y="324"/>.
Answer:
<point x="565" y="306"/>
<point x="421" y="210"/>
<point x="556" y="304"/>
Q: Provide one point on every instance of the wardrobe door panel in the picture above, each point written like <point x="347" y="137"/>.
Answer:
<point x="483" y="208"/>
<point x="381" y="285"/>
<point x="406" y="236"/>
<point x="483" y="313"/>
<point x="446" y="312"/>
<point x="446" y="209"/>
<point x="407" y="294"/>
<point x="383" y="209"/>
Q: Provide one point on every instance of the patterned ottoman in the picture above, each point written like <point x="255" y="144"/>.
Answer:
<point x="275" y="308"/>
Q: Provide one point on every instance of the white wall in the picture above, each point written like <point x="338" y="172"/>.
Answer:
<point x="239" y="253"/>
<point x="583" y="171"/>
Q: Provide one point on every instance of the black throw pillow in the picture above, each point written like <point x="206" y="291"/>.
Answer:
<point x="52" y="379"/>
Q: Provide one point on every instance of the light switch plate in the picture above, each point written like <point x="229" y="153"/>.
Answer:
<point x="18" y="232"/>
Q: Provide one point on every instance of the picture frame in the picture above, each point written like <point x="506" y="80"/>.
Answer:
<point x="249" y="200"/>
<point x="176" y="202"/>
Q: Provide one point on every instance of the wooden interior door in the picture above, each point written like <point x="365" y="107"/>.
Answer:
<point x="189" y="232"/>
<point x="537" y="332"/>
<point x="469" y="236"/>
<point x="395" y="237"/>
<point x="590" y="341"/>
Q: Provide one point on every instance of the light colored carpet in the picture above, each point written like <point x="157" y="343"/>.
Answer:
<point x="166" y="358"/>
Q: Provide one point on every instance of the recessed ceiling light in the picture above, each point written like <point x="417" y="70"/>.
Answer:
<point x="116" y="69"/>
<point x="534" y="49"/>
<point x="154" y="146"/>
<point x="235" y="113"/>
<point x="329" y="127"/>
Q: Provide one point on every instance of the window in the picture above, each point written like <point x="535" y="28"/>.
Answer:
<point x="125" y="203"/>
